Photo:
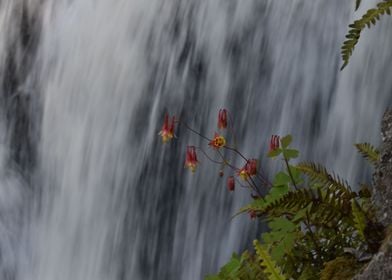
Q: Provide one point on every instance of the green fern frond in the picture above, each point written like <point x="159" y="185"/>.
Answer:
<point x="250" y="268"/>
<point x="319" y="174"/>
<point x="368" y="152"/>
<point x="270" y="267"/>
<point x="289" y="203"/>
<point x="246" y="267"/>
<point x="359" y="219"/>
<point x="357" y="4"/>
<point x="325" y="206"/>
<point x="368" y="19"/>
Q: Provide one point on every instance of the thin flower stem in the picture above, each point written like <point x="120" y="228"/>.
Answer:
<point x="263" y="180"/>
<point x="261" y="177"/>
<point x="194" y="131"/>
<point x="241" y="185"/>
<point x="255" y="186"/>
<point x="226" y="162"/>
<point x="236" y="151"/>
<point x="209" y="158"/>
<point x="289" y="171"/>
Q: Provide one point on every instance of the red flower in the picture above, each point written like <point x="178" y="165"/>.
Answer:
<point x="218" y="142"/>
<point x="251" y="167"/>
<point x="231" y="183"/>
<point x="252" y="214"/>
<point x="191" y="158"/>
<point x="274" y="143"/>
<point x="243" y="174"/>
<point x="167" y="131"/>
<point x="222" y="119"/>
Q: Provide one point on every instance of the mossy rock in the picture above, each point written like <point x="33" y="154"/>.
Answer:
<point x="341" y="268"/>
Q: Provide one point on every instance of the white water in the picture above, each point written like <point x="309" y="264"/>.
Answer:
<point x="104" y="199"/>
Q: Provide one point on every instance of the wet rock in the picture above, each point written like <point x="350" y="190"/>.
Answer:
<point x="380" y="267"/>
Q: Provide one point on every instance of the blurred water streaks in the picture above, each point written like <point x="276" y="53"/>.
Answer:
<point x="88" y="192"/>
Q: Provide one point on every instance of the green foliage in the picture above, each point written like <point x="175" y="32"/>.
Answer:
<point x="275" y="153"/>
<point x="369" y="152"/>
<point x="270" y="267"/>
<point x="246" y="267"/>
<point x="368" y="19"/>
<point x="341" y="268"/>
<point x="281" y="236"/>
<point x="319" y="174"/>
<point x="359" y="219"/>
<point x="314" y="220"/>
<point x="357" y="4"/>
<point x="286" y="141"/>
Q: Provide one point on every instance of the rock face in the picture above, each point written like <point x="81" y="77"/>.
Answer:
<point x="380" y="267"/>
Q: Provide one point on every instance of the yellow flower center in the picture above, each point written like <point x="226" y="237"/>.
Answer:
<point x="219" y="141"/>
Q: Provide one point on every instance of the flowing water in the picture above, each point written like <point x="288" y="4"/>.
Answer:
<point x="88" y="191"/>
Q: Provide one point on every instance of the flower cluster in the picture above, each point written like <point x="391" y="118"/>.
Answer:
<point x="249" y="173"/>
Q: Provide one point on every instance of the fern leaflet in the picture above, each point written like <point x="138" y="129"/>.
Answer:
<point x="359" y="219"/>
<point x="269" y="265"/>
<point x="357" y="4"/>
<point x="369" y="18"/>
<point x="318" y="173"/>
<point x="368" y="152"/>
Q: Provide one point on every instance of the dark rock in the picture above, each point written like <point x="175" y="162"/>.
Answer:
<point x="380" y="267"/>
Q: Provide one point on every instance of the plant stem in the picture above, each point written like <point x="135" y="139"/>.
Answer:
<point x="290" y="174"/>
<point x="313" y="237"/>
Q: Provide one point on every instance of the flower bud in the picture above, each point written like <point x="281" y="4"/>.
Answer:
<point x="231" y="183"/>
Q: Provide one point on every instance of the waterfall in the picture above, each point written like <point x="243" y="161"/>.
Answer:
<point x="87" y="189"/>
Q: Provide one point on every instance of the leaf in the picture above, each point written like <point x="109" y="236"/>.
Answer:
<point x="232" y="266"/>
<point x="359" y="219"/>
<point x="245" y="267"/>
<point x="274" y="273"/>
<point x="356" y="28"/>
<point x="357" y="4"/>
<point x="258" y="205"/>
<point x="286" y="141"/>
<point x="297" y="175"/>
<point x="290" y="153"/>
<point x="212" y="277"/>
<point x="274" y="153"/>
<point x="368" y="152"/>
<point x="319" y="174"/>
<point x="281" y="179"/>
<point x="281" y="237"/>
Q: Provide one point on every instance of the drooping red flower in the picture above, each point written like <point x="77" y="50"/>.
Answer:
<point x="243" y="174"/>
<point x="274" y="142"/>
<point x="231" y="183"/>
<point x="252" y="214"/>
<point x="218" y="142"/>
<point x="167" y="131"/>
<point x="251" y="167"/>
<point x="191" y="158"/>
<point x="222" y="119"/>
